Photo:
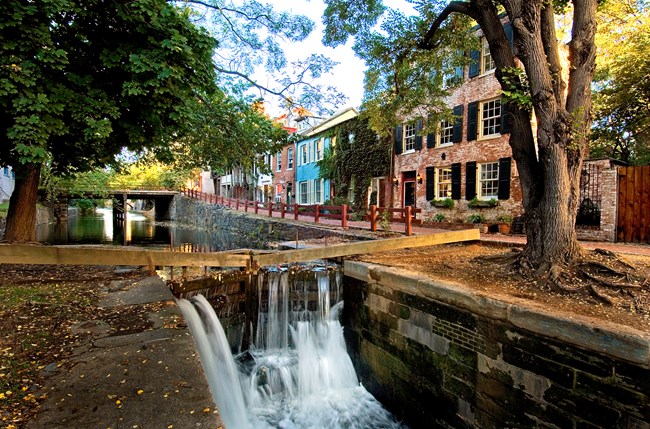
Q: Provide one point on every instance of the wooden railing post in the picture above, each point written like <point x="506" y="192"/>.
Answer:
<point x="344" y="216"/>
<point x="257" y="206"/>
<point x="270" y="208"/>
<point x="246" y="205"/>
<point x="316" y="213"/>
<point x="407" y="221"/>
<point x="295" y="212"/>
<point x="373" y="218"/>
<point x="236" y="203"/>
<point x="282" y="209"/>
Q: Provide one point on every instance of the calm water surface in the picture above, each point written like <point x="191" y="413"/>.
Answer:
<point x="140" y="230"/>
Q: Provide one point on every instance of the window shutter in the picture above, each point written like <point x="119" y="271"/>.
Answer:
<point x="431" y="183"/>
<point x="431" y="136"/>
<point x="398" y="140"/>
<point x="458" y="72"/>
<point x="457" y="136"/>
<point x="418" y="135"/>
<point x="509" y="35"/>
<point x="470" y="180"/>
<point x="472" y="120"/>
<point x="474" y="62"/>
<point x="505" y="117"/>
<point x="504" y="178"/>
<point x="455" y="181"/>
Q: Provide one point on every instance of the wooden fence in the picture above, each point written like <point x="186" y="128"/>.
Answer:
<point x="315" y="212"/>
<point x="633" y="220"/>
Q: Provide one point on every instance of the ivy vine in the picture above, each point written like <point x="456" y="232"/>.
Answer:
<point x="358" y="156"/>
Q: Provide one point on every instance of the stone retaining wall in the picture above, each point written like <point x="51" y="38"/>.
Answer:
<point x="199" y="214"/>
<point x="439" y="355"/>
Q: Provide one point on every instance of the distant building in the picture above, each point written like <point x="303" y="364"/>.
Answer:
<point x="7" y="183"/>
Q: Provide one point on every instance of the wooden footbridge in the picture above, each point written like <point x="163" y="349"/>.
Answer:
<point x="246" y="259"/>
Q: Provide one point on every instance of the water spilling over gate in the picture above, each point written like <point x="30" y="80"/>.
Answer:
<point x="296" y="372"/>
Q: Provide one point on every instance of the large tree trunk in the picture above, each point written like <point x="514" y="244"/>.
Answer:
<point x="21" y="218"/>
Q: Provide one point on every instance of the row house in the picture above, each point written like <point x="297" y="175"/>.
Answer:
<point x="468" y="161"/>
<point x="7" y="183"/>
<point x="296" y="174"/>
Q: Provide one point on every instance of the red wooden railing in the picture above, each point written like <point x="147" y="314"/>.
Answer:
<point x="405" y="215"/>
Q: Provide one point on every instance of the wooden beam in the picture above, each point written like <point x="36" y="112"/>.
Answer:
<point x="363" y="247"/>
<point x="86" y="255"/>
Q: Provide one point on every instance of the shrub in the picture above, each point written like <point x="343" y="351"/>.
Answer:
<point x="475" y="218"/>
<point x="446" y="203"/>
<point x="439" y="217"/>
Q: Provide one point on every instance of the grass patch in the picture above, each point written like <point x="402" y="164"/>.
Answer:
<point x="4" y="208"/>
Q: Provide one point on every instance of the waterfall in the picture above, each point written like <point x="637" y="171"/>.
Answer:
<point x="299" y="374"/>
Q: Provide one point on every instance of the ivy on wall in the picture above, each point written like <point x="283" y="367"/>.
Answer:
<point x="357" y="157"/>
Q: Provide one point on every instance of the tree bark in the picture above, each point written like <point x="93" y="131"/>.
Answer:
<point x="21" y="218"/>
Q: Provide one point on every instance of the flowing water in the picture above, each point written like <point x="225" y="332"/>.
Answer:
<point x="297" y="373"/>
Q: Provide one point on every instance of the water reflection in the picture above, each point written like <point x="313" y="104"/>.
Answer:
<point x="99" y="228"/>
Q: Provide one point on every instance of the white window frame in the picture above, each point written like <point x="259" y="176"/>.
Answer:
<point x="304" y="154"/>
<point x="408" y="138"/>
<point x="319" y="189"/>
<point x="445" y="134"/>
<point x="443" y="183"/>
<point x="319" y="147"/>
<point x="278" y="161"/>
<point x="489" y="119"/>
<point x="303" y="193"/>
<point x="488" y="180"/>
<point x="290" y="158"/>
<point x="487" y="62"/>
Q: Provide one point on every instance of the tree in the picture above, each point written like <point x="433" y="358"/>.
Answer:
<point x="81" y="81"/>
<point x="622" y="86"/>
<point x="251" y="35"/>
<point x="562" y="106"/>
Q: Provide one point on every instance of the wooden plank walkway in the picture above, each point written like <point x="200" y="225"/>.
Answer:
<point x="242" y="258"/>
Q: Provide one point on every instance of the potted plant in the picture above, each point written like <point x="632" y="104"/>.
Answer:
<point x="504" y="223"/>
<point x="478" y="218"/>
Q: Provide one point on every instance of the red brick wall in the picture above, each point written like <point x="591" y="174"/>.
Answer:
<point x="488" y="150"/>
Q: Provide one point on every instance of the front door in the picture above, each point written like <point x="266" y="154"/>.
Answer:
<point x="409" y="193"/>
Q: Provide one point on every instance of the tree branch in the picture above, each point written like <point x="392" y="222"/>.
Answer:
<point x="455" y="6"/>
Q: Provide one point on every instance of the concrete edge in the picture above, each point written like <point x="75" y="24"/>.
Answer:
<point x="618" y="341"/>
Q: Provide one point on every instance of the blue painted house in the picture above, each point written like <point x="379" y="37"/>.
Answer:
<point x="310" y="188"/>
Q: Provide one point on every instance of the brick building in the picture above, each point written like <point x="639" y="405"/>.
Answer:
<point x="468" y="161"/>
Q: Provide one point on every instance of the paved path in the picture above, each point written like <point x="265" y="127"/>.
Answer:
<point x="630" y="248"/>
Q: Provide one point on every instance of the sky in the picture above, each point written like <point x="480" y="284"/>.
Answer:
<point x="347" y="76"/>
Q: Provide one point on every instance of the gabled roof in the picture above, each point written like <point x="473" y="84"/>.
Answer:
<point x="336" y="119"/>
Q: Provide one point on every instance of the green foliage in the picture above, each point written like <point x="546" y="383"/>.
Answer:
<point x="515" y="88"/>
<point x="621" y="126"/>
<point x="336" y="201"/>
<point x="84" y="80"/>
<point x="476" y="203"/>
<point x="384" y="221"/>
<point x="358" y="156"/>
<point x="401" y="79"/>
<point x="507" y="219"/>
<point x="84" y="203"/>
<point x="446" y="203"/>
<point x="4" y="207"/>
<point x="439" y="217"/>
<point x="476" y="218"/>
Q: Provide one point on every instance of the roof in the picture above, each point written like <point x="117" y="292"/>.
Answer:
<point x="336" y="119"/>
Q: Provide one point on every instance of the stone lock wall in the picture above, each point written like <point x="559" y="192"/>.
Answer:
<point x="439" y="355"/>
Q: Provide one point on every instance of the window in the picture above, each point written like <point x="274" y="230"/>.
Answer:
<point x="443" y="183"/>
<point x="409" y="137"/>
<point x="319" y="149"/>
<point x="278" y="161"/>
<point x="488" y="186"/>
<point x="290" y="158"/>
<point x="318" y="191"/>
<point x="490" y="122"/>
<point x="487" y="63"/>
<point x="6" y="171"/>
<point x="304" y="155"/>
<point x="446" y="135"/>
<point x="304" y="193"/>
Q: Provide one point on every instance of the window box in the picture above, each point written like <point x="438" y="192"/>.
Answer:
<point x="478" y="204"/>
<point x="447" y="203"/>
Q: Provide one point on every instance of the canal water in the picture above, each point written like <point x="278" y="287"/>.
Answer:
<point x="296" y="372"/>
<point x="98" y="227"/>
